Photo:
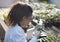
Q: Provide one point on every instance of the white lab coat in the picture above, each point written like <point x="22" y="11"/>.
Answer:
<point x="17" y="34"/>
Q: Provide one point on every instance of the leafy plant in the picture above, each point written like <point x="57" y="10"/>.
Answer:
<point x="49" y="14"/>
<point x="5" y="16"/>
<point x="53" y="38"/>
<point x="45" y="1"/>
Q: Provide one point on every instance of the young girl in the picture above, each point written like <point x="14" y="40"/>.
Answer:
<point x="18" y="18"/>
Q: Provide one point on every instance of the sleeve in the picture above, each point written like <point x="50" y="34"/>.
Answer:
<point x="34" y="39"/>
<point x="21" y="38"/>
<point x="18" y="37"/>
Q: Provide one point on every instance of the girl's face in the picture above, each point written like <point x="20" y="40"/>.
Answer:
<point x="25" y="21"/>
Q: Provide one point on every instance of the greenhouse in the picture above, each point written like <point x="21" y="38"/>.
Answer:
<point x="45" y="20"/>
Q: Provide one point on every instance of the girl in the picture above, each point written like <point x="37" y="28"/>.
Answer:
<point x="18" y="18"/>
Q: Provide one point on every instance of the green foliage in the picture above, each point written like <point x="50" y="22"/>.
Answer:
<point x="48" y="12"/>
<point x="53" y="38"/>
<point x="5" y="16"/>
<point x="44" y="1"/>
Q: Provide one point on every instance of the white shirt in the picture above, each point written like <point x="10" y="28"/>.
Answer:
<point x="17" y="34"/>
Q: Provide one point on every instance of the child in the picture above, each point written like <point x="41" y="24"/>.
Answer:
<point x="18" y="18"/>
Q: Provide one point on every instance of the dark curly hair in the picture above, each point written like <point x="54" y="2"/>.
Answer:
<point x="17" y="12"/>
